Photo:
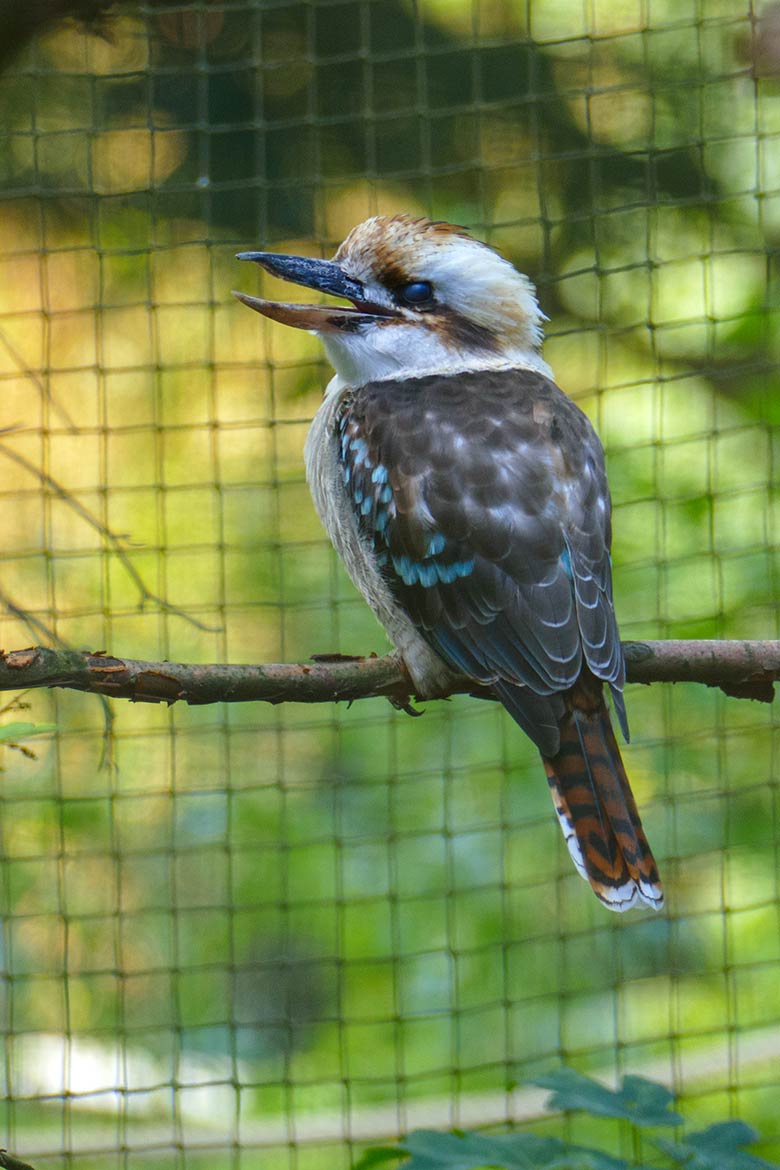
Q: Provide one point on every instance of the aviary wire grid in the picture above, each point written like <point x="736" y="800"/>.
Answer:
<point x="241" y="935"/>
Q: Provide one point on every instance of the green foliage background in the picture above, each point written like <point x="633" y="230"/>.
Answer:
<point x="264" y="936"/>
<point x="643" y="1103"/>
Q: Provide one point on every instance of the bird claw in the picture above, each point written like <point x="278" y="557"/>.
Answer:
<point x="405" y="706"/>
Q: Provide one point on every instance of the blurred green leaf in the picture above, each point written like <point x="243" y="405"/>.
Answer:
<point x="429" y="1150"/>
<point x="719" y="1147"/>
<point x="378" y="1156"/>
<point x="11" y="732"/>
<point x="640" y="1101"/>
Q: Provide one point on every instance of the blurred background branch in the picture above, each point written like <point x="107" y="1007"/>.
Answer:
<point x="20" y="22"/>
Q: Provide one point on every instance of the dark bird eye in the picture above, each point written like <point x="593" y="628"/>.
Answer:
<point x="419" y="292"/>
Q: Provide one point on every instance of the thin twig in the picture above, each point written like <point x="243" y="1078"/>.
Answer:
<point x="116" y="540"/>
<point x="741" y="669"/>
<point x="38" y="627"/>
<point x="41" y="385"/>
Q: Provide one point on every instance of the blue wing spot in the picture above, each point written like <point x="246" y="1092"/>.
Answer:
<point x="405" y="570"/>
<point x="360" y="449"/>
<point x="372" y="496"/>
<point x="566" y="562"/>
<point x="450" y="573"/>
<point x="428" y="572"/>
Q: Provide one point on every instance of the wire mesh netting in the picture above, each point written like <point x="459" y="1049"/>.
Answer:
<point x="237" y="935"/>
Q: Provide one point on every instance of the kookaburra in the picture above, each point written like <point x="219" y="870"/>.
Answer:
<point x="468" y="499"/>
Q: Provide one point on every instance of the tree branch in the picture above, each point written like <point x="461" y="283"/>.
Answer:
<point x="741" y="669"/>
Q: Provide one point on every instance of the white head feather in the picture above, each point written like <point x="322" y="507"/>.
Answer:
<point x="486" y="314"/>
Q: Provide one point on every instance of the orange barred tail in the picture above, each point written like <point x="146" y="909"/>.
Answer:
<point x="596" y="807"/>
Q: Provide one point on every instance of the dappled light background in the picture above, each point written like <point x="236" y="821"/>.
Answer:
<point x="238" y="935"/>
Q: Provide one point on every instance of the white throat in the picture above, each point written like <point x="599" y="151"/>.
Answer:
<point x="381" y="353"/>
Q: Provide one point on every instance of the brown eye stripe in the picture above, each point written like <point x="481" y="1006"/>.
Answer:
<point x="455" y="327"/>
<point x="461" y="332"/>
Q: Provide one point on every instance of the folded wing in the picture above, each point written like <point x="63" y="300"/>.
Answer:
<point x="485" y="499"/>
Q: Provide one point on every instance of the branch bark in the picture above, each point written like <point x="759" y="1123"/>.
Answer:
<point x="741" y="669"/>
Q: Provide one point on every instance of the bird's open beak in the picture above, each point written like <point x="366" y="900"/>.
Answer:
<point x="324" y="275"/>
